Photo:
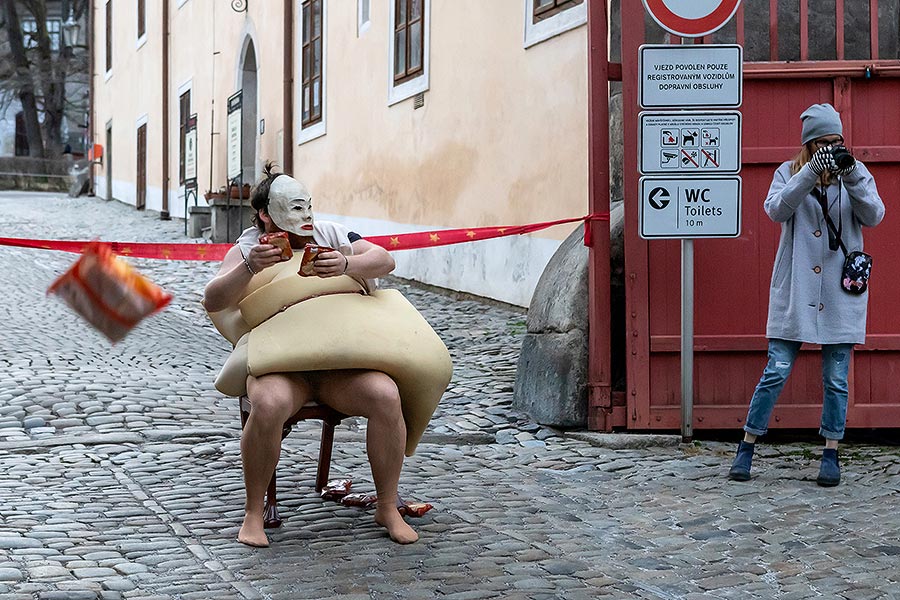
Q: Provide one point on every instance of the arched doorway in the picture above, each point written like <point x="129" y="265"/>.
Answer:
<point x="249" y="116"/>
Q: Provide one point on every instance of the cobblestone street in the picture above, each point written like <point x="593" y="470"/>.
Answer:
<point x="120" y="472"/>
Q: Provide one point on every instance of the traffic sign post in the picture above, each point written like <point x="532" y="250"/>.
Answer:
<point x="691" y="146"/>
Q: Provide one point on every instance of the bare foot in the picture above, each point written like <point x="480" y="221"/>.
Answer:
<point x="252" y="532"/>
<point x="399" y="530"/>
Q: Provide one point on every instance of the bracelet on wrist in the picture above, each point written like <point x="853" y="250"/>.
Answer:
<point x="346" y="264"/>
<point x="249" y="268"/>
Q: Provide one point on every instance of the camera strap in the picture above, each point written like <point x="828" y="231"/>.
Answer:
<point x="834" y="233"/>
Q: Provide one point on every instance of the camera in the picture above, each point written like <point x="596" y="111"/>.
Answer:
<point x="842" y="157"/>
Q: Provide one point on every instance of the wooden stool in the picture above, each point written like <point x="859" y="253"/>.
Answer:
<point x="330" y="418"/>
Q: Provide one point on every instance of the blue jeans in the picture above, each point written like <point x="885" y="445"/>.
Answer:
<point x="782" y="354"/>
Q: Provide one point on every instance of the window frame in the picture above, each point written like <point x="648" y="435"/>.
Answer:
<point x="399" y="90"/>
<point x="141" y="6"/>
<point x="109" y="38"/>
<point x="549" y="23"/>
<point x="363" y="21"/>
<point x="312" y="129"/>
<point x="183" y="116"/>
<point x="308" y="82"/>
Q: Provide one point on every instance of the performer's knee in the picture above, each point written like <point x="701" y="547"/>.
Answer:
<point x="384" y="397"/>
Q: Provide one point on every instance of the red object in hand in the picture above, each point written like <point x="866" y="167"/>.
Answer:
<point x="307" y="267"/>
<point x="281" y="240"/>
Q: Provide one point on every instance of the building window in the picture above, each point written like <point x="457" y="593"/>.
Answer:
<point x="184" y="113"/>
<point x="311" y="89"/>
<point x="545" y="19"/>
<point x="364" y="12"/>
<point x="141" y="18"/>
<point x="30" y="33"/>
<point x="109" y="36"/>
<point x="409" y="39"/>
<point x="544" y="9"/>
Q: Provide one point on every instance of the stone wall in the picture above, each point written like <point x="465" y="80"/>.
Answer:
<point x="36" y="174"/>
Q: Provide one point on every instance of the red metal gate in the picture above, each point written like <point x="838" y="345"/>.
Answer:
<point x="732" y="275"/>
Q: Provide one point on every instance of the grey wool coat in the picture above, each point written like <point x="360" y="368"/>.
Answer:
<point x="806" y="301"/>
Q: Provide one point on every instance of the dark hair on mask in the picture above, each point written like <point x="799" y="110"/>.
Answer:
<point x="259" y="195"/>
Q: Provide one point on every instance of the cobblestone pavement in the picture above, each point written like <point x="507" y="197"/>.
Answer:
<point x="120" y="472"/>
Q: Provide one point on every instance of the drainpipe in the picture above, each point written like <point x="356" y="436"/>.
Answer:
<point x="164" y="213"/>
<point x="90" y="136"/>
<point x="288" y="107"/>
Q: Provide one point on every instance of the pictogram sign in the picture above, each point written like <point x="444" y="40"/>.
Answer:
<point x="691" y="18"/>
<point x="676" y="142"/>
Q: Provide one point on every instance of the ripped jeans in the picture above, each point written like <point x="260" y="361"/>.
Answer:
<point x="782" y="354"/>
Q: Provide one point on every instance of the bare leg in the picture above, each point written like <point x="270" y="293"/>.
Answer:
<point x="749" y="438"/>
<point x="273" y="399"/>
<point x="374" y="395"/>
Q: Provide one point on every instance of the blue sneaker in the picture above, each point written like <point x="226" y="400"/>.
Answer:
<point x="830" y="471"/>
<point x="740" y="468"/>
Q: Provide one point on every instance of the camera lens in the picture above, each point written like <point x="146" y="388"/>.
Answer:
<point x="842" y="157"/>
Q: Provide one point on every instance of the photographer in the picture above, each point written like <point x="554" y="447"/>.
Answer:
<point x="823" y="183"/>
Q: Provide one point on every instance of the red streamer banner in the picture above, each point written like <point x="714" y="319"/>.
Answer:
<point x="213" y="252"/>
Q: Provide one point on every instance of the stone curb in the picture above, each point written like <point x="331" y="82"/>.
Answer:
<point x="623" y="441"/>
<point x="71" y="440"/>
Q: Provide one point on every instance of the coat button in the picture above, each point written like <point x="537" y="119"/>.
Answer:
<point x="817" y="233"/>
<point x="821" y="307"/>
<point x="817" y="269"/>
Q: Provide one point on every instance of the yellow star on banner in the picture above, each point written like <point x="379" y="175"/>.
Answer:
<point x="167" y="254"/>
<point x="201" y="251"/>
<point x="395" y="241"/>
<point x="470" y="234"/>
<point x="126" y="251"/>
<point x="434" y="237"/>
<point x="502" y="230"/>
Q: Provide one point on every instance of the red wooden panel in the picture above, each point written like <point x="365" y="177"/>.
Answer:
<point x="732" y="275"/>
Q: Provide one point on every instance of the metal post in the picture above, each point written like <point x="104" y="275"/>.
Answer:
<point x="687" y="331"/>
<point x="687" y="340"/>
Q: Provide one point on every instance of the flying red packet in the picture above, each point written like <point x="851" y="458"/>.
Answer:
<point x="107" y="292"/>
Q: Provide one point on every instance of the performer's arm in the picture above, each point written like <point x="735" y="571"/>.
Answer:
<point x="227" y="287"/>
<point x="367" y="262"/>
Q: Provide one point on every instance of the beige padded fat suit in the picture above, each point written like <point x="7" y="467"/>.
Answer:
<point x="339" y="326"/>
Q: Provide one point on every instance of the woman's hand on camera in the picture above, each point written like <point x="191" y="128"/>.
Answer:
<point x="823" y="160"/>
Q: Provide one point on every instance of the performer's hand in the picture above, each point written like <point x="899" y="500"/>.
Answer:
<point x="330" y="264"/>
<point x="263" y="256"/>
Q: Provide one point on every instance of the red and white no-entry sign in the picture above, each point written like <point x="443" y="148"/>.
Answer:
<point x="691" y="18"/>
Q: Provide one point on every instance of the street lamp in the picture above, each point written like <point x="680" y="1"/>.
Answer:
<point x="71" y="30"/>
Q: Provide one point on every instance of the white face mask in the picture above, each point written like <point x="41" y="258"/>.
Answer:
<point x="290" y="206"/>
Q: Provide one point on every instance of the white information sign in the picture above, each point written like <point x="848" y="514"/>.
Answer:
<point x="190" y="155"/>
<point x="691" y="76"/>
<point x="234" y="136"/>
<point x="690" y="142"/>
<point x="690" y="207"/>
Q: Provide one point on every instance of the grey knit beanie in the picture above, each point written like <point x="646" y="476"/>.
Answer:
<point x="820" y="120"/>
